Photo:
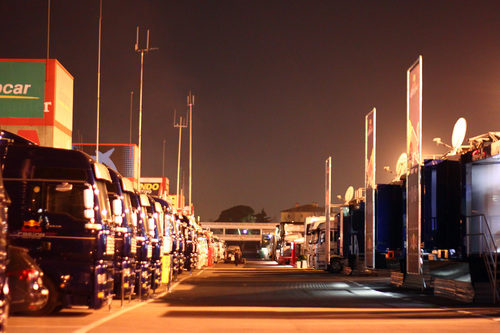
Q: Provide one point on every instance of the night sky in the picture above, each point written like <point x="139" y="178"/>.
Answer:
<point x="279" y="85"/>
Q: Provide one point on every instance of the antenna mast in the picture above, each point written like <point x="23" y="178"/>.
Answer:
<point x="141" y="51"/>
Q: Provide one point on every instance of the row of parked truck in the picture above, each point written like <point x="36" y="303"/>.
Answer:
<point x="90" y="232"/>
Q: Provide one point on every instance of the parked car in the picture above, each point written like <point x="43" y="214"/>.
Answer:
<point x="27" y="291"/>
<point x="231" y="253"/>
<point x="4" y="286"/>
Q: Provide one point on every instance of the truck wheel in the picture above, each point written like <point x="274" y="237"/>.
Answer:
<point x="53" y="303"/>
<point x="335" y="266"/>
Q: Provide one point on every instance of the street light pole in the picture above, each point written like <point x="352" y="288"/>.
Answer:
<point x="163" y="160"/>
<point x="98" y="84"/>
<point x="179" y="125"/>
<point x="130" y="124"/>
<point x="190" y="100"/>
<point x="141" y="51"/>
<point x="48" y="29"/>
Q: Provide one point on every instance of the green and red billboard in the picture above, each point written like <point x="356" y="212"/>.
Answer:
<point x="36" y="100"/>
<point x="22" y="89"/>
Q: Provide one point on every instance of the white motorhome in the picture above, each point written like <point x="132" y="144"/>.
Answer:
<point x="316" y="241"/>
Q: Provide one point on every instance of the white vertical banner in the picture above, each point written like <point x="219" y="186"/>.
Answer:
<point x="341" y="224"/>
<point x="414" y="154"/>
<point x="370" y="185"/>
<point x="328" y="200"/>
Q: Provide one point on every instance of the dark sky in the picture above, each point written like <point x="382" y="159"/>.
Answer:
<point x="279" y="85"/>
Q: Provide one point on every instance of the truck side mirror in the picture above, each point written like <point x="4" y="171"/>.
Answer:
<point x="117" y="211"/>
<point x="88" y="198"/>
<point x="117" y="207"/>
<point x="134" y="218"/>
<point x="151" y="222"/>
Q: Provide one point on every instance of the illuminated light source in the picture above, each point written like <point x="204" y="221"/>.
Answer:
<point x="244" y="231"/>
<point x="28" y="274"/>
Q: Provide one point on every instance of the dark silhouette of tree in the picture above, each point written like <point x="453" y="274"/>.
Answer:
<point x="243" y="213"/>
<point x="262" y="216"/>
<point x="239" y="213"/>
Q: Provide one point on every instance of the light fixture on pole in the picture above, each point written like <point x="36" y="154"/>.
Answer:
<point x="141" y="51"/>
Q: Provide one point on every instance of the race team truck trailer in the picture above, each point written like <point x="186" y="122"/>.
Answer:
<point x="61" y="213"/>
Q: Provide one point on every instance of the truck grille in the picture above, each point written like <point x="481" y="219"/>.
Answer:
<point x="133" y="245"/>
<point x="110" y="245"/>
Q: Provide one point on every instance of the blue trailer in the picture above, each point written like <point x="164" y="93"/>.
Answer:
<point x="388" y="224"/>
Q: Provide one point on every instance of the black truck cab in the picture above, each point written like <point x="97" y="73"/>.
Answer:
<point x="61" y="213"/>
<point x="180" y="238"/>
<point x="124" y="231"/>
<point x="154" y="233"/>
<point x="4" y="283"/>
<point x="143" y="244"/>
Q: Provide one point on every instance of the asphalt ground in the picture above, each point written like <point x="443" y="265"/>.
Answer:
<point x="265" y="297"/>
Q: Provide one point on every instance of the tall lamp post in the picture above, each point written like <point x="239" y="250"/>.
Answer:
<point x="190" y="101"/>
<point x="98" y="83"/>
<point x="179" y="125"/>
<point x="141" y="51"/>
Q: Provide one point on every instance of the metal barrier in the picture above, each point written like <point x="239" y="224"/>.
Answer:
<point x="485" y="246"/>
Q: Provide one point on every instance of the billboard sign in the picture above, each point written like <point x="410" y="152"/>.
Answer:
<point x="370" y="146"/>
<point x="22" y="89"/>
<point x="414" y="154"/>
<point x="119" y="157"/>
<point x="36" y="101"/>
<point x="157" y="186"/>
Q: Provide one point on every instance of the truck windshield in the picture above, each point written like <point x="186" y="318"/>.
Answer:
<point x="66" y="201"/>
<point x="103" y="201"/>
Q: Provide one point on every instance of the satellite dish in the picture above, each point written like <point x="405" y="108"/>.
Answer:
<point x="349" y="194"/>
<point x="458" y="136"/>
<point x="401" y="165"/>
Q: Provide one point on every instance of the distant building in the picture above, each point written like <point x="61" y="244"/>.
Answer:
<point x="299" y="213"/>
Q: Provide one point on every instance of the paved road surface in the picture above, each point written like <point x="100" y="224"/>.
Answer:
<point x="264" y="297"/>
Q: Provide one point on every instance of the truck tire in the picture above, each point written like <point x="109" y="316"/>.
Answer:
<point x="335" y="266"/>
<point x="53" y="304"/>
